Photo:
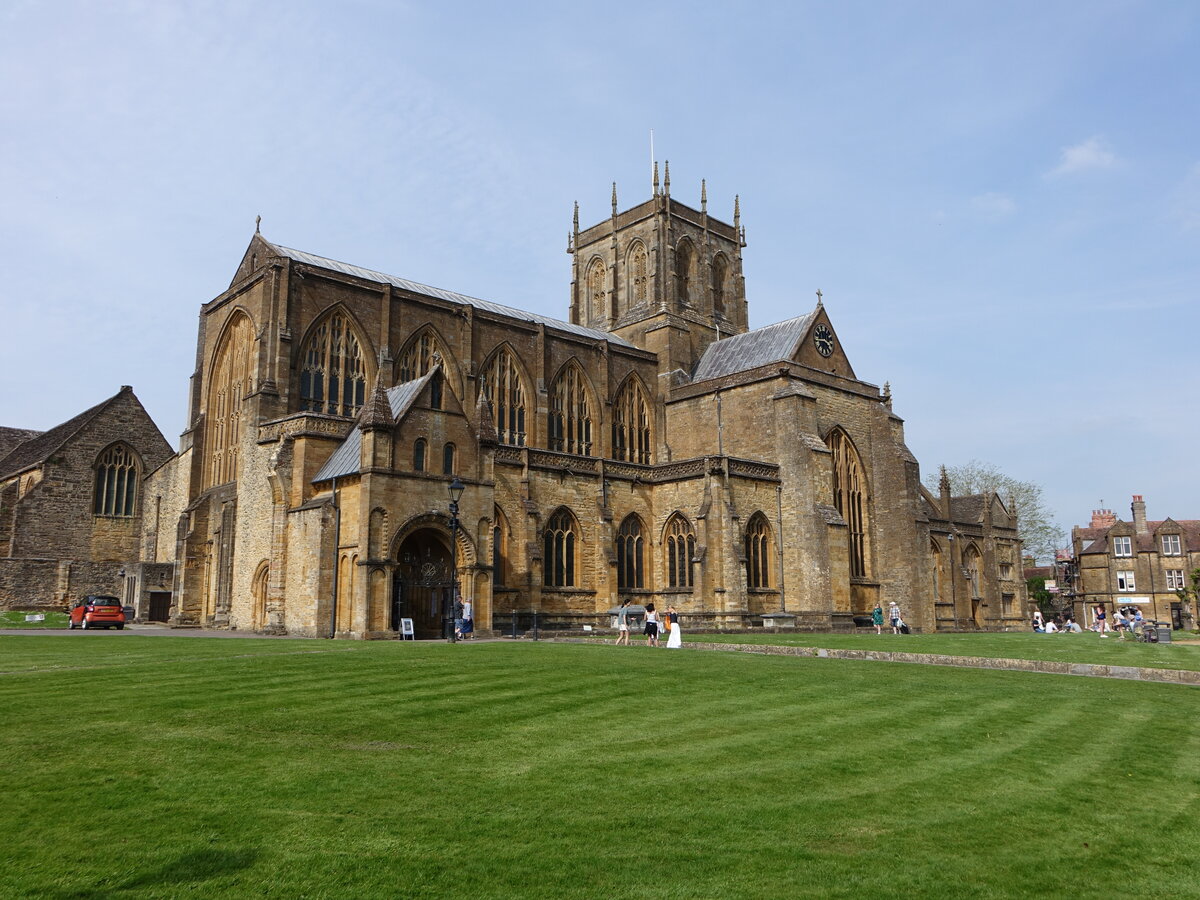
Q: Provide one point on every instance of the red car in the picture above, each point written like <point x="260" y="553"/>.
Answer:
<point x="97" y="611"/>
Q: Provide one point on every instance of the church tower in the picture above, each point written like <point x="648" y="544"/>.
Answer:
<point x="661" y="275"/>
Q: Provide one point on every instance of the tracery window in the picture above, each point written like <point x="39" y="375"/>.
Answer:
<point x="117" y="476"/>
<point x="638" y="273"/>
<point x="561" y="539"/>
<point x="631" y="424"/>
<point x="501" y="385"/>
<point x="630" y="554"/>
<point x="849" y="496"/>
<point x="595" y="287"/>
<point x="570" y="417"/>
<point x="333" y="379"/>
<point x="758" y="552"/>
<point x="972" y="564"/>
<point x="683" y="271"/>
<point x="719" y="272"/>
<point x="419" y="455"/>
<point x="499" y="548"/>
<point x="681" y="548"/>
<point x="421" y="356"/>
<point x="228" y="385"/>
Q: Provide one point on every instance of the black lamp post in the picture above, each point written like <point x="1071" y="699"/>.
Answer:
<point x="456" y="491"/>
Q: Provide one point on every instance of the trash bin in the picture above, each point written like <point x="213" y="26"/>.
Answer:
<point x="1164" y="633"/>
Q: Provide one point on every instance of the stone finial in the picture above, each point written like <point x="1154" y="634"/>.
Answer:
<point x="485" y="422"/>
<point x="614" y="198"/>
<point x="257" y="224"/>
<point x="737" y="212"/>
<point x="820" y="303"/>
<point x="703" y="196"/>
<point x="377" y="414"/>
<point x="944" y="482"/>
<point x="667" y="176"/>
<point x="576" y="220"/>
<point x="656" y="178"/>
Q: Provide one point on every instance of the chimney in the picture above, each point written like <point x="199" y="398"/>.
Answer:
<point x="1103" y="518"/>
<point x="1139" y="514"/>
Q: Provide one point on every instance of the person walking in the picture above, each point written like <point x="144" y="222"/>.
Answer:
<point x="1101" y="624"/>
<point x="675" y="639"/>
<point x="623" y="623"/>
<point x="651" y="626"/>
<point x="458" y="615"/>
<point x="877" y="618"/>
<point x="894" y="617"/>
<point x="468" y="620"/>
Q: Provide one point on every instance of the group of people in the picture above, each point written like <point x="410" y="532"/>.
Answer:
<point x="669" y="623"/>
<point x="894" y="618"/>
<point x="1126" y="620"/>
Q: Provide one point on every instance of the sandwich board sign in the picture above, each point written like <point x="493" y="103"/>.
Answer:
<point x="406" y="630"/>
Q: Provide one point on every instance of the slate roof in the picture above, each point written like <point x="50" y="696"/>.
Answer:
<point x="1189" y="529"/>
<point x="347" y="458"/>
<point x="36" y="450"/>
<point x="10" y="437"/>
<point x="760" y="347"/>
<point x="462" y="299"/>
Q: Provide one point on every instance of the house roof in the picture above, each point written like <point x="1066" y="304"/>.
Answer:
<point x="10" y="437"/>
<point x="760" y="347"/>
<point x="1101" y="538"/>
<point x="450" y="296"/>
<point x="347" y="458"/>
<point x="36" y="450"/>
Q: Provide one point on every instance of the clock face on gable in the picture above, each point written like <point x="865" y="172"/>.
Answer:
<point x="823" y="339"/>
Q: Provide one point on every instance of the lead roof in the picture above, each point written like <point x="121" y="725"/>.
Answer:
<point x="760" y="347"/>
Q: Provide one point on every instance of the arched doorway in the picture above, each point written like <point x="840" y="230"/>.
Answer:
<point x="421" y="585"/>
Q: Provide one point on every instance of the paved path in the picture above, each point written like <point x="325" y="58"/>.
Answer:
<point x="1049" y="667"/>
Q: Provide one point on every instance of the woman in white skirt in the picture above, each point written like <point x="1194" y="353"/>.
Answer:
<point x="675" y="640"/>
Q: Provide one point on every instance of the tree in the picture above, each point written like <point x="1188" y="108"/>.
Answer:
<point x="1041" y="536"/>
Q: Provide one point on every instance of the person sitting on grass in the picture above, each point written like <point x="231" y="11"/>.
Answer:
<point x="1051" y="627"/>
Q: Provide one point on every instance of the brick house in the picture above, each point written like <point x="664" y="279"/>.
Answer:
<point x="1138" y="563"/>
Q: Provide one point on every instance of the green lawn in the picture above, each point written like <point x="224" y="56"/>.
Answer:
<point x="16" y="619"/>
<point x="167" y="767"/>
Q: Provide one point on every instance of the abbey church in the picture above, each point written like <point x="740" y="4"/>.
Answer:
<point x="651" y="447"/>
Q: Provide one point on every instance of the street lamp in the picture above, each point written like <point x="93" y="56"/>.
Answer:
<point x="456" y="491"/>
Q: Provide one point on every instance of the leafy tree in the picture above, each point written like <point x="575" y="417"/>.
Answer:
<point x="1041" y="536"/>
<point x="1188" y="597"/>
<point x="1039" y="595"/>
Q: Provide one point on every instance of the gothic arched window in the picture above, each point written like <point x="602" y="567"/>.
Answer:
<point x="681" y="548"/>
<point x="758" y="552"/>
<point x="419" y="455"/>
<point x="333" y="378"/>
<point x="595" y="289"/>
<point x="719" y="272"/>
<point x="683" y="271"/>
<point x="499" y="548"/>
<point x="229" y="383"/>
<point x="849" y="496"/>
<point x="420" y="356"/>
<point x="561" y="540"/>
<point x="631" y="547"/>
<point x="117" y="474"/>
<point x="631" y="439"/>
<point x="501" y="385"/>
<point x="639" y="277"/>
<point x="570" y="417"/>
<point x="448" y="459"/>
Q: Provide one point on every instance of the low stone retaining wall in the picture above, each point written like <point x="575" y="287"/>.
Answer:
<point x="1090" y="670"/>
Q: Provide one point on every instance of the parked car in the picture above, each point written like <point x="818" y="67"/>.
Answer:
<point x="97" y="611"/>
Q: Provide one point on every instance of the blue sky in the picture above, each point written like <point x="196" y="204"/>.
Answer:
<point x="1000" y="202"/>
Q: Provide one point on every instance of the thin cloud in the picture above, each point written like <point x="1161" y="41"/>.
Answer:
<point x="1090" y="155"/>
<point x="1187" y="199"/>
<point x="993" y="205"/>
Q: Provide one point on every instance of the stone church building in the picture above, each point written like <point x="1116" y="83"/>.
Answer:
<point x="651" y="446"/>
